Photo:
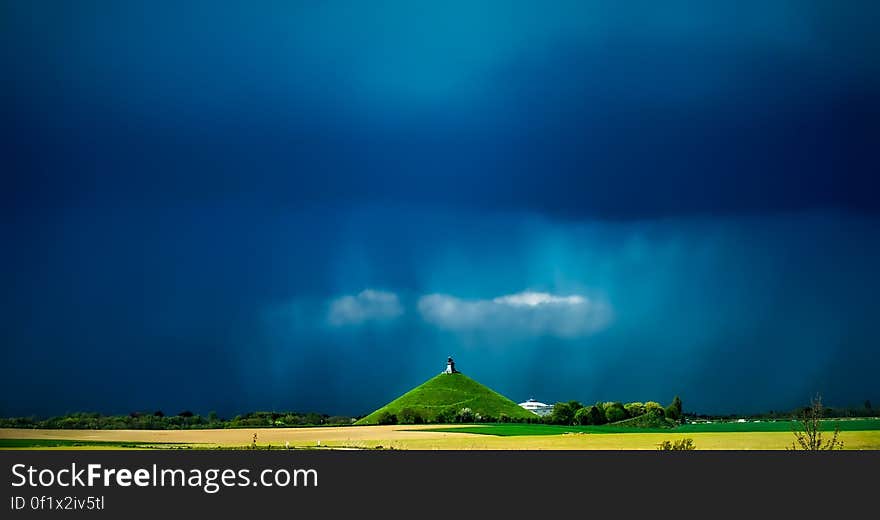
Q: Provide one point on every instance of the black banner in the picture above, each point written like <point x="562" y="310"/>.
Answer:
<point x="117" y="484"/>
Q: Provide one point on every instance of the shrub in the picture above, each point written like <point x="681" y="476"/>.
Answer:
<point x="808" y="431"/>
<point x="444" y="417"/>
<point x="682" y="445"/>
<point x="387" y="417"/>
<point x="410" y="416"/>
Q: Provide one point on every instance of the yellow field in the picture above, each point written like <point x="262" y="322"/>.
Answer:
<point x="410" y="437"/>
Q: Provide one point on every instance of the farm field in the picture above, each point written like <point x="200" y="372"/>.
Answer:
<point x="337" y="436"/>
<point x="432" y="437"/>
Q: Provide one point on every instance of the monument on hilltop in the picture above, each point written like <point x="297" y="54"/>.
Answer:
<point x="445" y="399"/>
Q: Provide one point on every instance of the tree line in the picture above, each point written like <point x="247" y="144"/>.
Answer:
<point x="638" y="414"/>
<point x="649" y="413"/>
<point x="866" y="410"/>
<point x="567" y="413"/>
<point x="186" y="419"/>
<point x="575" y="413"/>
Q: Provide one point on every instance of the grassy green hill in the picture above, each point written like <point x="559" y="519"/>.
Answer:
<point x="449" y="393"/>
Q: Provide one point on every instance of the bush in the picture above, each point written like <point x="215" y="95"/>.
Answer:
<point x="387" y="417"/>
<point x="444" y="417"/>
<point x="682" y="445"/>
<point x="410" y="416"/>
<point x="808" y="431"/>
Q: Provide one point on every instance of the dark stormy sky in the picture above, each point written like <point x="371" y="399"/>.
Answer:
<point x="278" y="205"/>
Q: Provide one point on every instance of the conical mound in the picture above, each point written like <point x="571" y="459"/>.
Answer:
<point x="440" y="398"/>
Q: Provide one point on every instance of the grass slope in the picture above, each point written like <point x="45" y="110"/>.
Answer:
<point x="451" y="393"/>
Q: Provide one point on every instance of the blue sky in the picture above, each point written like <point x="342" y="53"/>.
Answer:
<point x="289" y="206"/>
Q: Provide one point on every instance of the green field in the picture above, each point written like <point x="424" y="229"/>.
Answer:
<point x="512" y="430"/>
<point x="449" y="393"/>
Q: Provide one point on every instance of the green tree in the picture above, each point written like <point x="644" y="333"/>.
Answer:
<point x="634" y="409"/>
<point x="464" y="415"/>
<point x="597" y="415"/>
<point x="676" y="403"/>
<point x="444" y="417"/>
<point x="562" y="414"/>
<point x="582" y="416"/>
<point x="654" y="408"/>
<point x="614" y="411"/>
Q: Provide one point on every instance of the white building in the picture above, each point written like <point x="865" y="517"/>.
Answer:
<point x="537" y="407"/>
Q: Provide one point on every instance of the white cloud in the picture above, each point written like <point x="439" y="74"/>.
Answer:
<point x="533" y="299"/>
<point x="533" y="313"/>
<point x="368" y="305"/>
